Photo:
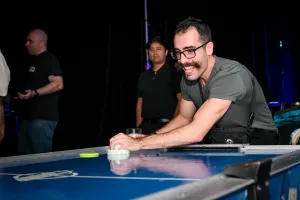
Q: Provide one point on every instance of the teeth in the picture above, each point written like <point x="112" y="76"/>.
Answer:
<point x="188" y="68"/>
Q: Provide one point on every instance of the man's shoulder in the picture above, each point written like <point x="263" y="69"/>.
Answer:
<point x="225" y="67"/>
<point x="145" y="73"/>
<point x="48" y="56"/>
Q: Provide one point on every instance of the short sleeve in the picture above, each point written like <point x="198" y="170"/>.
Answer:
<point x="54" y="67"/>
<point x="4" y="76"/>
<point x="184" y="89"/>
<point x="230" y="87"/>
<point x="176" y="79"/>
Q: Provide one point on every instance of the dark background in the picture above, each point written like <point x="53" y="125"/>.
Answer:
<point x="101" y="49"/>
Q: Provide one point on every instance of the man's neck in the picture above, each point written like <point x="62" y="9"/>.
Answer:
<point x="205" y="76"/>
<point x="156" y="67"/>
<point x="42" y="51"/>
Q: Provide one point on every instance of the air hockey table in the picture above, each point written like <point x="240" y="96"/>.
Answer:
<point x="187" y="172"/>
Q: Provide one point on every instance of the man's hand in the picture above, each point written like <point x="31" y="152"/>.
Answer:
<point x="125" y="142"/>
<point x="29" y="94"/>
<point x="2" y="131"/>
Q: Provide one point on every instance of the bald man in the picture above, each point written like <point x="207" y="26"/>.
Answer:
<point x="4" y="82"/>
<point x="40" y="97"/>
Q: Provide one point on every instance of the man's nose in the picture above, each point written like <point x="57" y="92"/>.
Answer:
<point x="183" y="59"/>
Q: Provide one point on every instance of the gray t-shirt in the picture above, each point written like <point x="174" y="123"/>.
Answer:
<point x="232" y="81"/>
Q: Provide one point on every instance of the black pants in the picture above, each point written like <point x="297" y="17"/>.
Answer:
<point x="241" y="136"/>
<point x="148" y="127"/>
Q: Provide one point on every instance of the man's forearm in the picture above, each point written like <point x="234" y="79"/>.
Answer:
<point x="175" y="123"/>
<point x="49" y="89"/>
<point x="204" y="119"/>
<point x="172" y="138"/>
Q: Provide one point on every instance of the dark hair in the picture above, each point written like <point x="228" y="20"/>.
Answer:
<point x="157" y="39"/>
<point x="202" y="28"/>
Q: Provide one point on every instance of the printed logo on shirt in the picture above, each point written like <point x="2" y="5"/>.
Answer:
<point x="32" y="69"/>
<point x="228" y="141"/>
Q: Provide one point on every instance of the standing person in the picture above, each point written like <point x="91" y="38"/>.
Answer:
<point x="158" y="90"/>
<point x="40" y="99"/>
<point x="4" y="82"/>
<point x="222" y="102"/>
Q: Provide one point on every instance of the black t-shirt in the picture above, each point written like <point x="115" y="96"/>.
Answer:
<point x="158" y="91"/>
<point x="46" y="106"/>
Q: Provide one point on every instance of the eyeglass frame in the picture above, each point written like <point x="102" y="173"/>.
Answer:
<point x="182" y="52"/>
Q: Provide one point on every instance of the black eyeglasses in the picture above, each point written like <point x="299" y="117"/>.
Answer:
<point x="189" y="53"/>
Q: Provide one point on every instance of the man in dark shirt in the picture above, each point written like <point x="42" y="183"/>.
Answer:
<point x="158" y="90"/>
<point x="40" y="99"/>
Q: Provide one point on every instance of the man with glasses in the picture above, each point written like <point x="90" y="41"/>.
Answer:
<point x="222" y="102"/>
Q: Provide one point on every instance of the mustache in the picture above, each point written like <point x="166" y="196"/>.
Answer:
<point x="180" y="66"/>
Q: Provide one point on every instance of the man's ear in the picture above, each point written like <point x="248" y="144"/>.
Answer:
<point x="209" y="48"/>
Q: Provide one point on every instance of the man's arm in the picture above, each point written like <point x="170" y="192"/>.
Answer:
<point x="139" y="118"/>
<point x="178" y="96"/>
<point x="176" y="79"/>
<point x="55" y="81"/>
<point x="56" y="84"/>
<point x="55" y="78"/>
<point x="207" y="115"/>
<point x="185" y="116"/>
<point x="139" y="102"/>
<point x="225" y="90"/>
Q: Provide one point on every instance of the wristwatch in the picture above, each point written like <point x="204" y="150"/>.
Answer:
<point x="36" y="93"/>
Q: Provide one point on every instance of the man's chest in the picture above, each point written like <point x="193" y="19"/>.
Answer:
<point x="198" y="94"/>
<point x="36" y="73"/>
<point x="157" y="83"/>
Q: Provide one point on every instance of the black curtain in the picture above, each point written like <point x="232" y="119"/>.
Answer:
<point x="253" y="41"/>
<point x="101" y="51"/>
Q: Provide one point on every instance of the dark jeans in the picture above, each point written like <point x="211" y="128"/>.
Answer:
<point x="35" y="136"/>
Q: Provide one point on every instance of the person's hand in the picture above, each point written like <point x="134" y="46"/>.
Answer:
<point x="125" y="142"/>
<point x="2" y="129"/>
<point x="28" y="94"/>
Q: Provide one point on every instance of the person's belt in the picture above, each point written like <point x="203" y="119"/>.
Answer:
<point x="156" y="121"/>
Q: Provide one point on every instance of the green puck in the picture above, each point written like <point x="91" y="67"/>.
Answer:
<point x="89" y="155"/>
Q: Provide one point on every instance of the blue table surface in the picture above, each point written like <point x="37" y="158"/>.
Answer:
<point x="143" y="173"/>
